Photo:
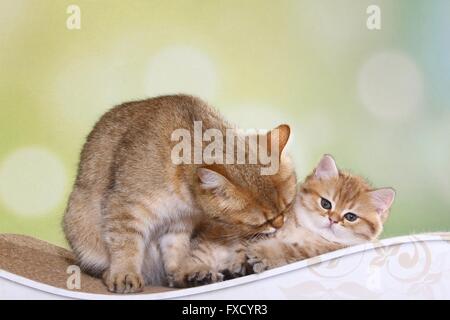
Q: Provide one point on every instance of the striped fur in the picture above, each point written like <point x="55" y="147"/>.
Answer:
<point x="307" y="232"/>
<point x="313" y="230"/>
<point x="132" y="210"/>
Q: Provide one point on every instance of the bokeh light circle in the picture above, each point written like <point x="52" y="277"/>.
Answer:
<point x="390" y="85"/>
<point x="32" y="181"/>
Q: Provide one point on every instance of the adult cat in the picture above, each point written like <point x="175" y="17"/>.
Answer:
<point x="132" y="211"/>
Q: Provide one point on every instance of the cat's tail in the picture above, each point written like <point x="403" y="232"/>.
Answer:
<point x="82" y="227"/>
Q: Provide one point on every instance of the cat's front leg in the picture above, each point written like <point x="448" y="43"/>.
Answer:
<point x="192" y="273"/>
<point x="272" y="253"/>
<point x="198" y="274"/>
<point x="259" y="260"/>
<point x="124" y="273"/>
<point x="125" y="239"/>
<point x="185" y="266"/>
<point x="236" y="266"/>
<point x="175" y="250"/>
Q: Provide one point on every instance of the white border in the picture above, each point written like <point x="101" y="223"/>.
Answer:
<point x="181" y="293"/>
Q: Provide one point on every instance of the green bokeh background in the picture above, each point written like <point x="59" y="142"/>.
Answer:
<point x="259" y="62"/>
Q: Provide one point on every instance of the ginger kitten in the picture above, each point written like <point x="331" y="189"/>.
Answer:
<point x="132" y="211"/>
<point x="334" y="209"/>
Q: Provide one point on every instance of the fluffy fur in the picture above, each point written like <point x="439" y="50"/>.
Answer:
<point x="132" y="211"/>
<point x="309" y="230"/>
<point x="313" y="229"/>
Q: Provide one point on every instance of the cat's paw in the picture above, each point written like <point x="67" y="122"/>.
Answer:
<point x="258" y="260"/>
<point x="192" y="276"/>
<point x="123" y="282"/>
<point x="235" y="271"/>
<point x="257" y="264"/>
<point x="203" y="277"/>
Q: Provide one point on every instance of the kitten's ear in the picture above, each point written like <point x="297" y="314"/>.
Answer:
<point x="284" y="132"/>
<point x="326" y="169"/>
<point x="382" y="199"/>
<point x="210" y="179"/>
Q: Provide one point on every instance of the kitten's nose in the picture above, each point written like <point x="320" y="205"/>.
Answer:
<point x="278" y="222"/>
<point x="331" y="220"/>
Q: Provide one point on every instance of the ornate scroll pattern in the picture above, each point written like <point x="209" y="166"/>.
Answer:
<point x="418" y="268"/>
<point x="336" y="268"/>
<point x="412" y="263"/>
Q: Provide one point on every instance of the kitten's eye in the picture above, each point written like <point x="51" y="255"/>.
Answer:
<point x="350" y="216"/>
<point x="325" y="204"/>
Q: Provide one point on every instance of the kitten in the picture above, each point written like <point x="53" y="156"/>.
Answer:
<point x="334" y="209"/>
<point x="132" y="211"/>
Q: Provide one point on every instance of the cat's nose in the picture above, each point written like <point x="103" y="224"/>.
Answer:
<point x="278" y="222"/>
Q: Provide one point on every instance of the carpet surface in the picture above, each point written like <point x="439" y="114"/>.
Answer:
<point x="43" y="262"/>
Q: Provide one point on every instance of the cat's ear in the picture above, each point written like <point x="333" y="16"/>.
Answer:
<point x="283" y="132"/>
<point x="382" y="199"/>
<point x="225" y="194"/>
<point x="326" y="169"/>
<point x="210" y="179"/>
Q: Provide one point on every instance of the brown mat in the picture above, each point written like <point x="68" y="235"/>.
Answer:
<point x="46" y="263"/>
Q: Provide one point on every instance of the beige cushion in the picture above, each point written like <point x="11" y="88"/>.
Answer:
<point x="43" y="262"/>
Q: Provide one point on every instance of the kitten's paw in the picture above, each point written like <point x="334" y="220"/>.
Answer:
<point x="257" y="263"/>
<point x="203" y="277"/>
<point x="123" y="282"/>
<point x="235" y="271"/>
